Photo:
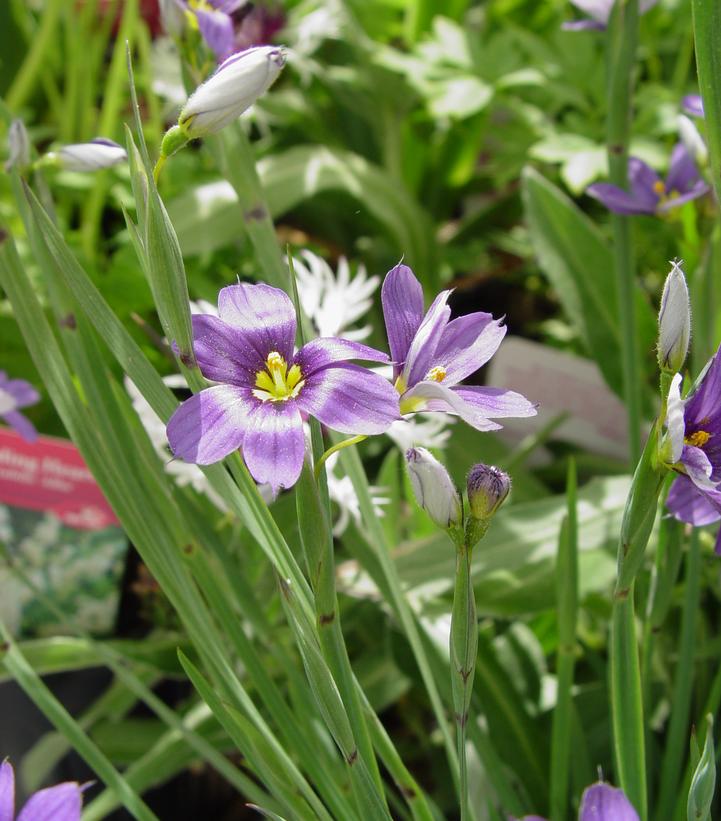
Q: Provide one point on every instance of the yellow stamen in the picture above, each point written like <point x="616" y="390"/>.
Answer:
<point x="698" y="438"/>
<point x="400" y="385"/>
<point x="659" y="188"/>
<point x="436" y="374"/>
<point x="278" y="383"/>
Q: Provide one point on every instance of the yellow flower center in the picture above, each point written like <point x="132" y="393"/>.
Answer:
<point x="436" y="374"/>
<point x="278" y="383"/>
<point x="659" y="188"/>
<point x="698" y="438"/>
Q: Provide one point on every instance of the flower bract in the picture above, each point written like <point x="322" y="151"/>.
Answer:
<point x="432" y="354"/>
<point x="264" y="387"/>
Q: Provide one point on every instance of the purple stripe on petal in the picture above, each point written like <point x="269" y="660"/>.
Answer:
<point x="698" y="467"/>
<point x="63" y="802"/>
<point x="274" y="445"/>
<point x="467" y="343"/>
<point x="350" y="399"/>
<point x="324" y="351"/>
<point x="682" y="172"/>
<point x="402" y="299"/>
<point x="689" y="504"/>
<point x="438" y="397"/>
<point x="25" y="394"/>
<point x="693" y="104"/>
<point x="262" y="309"/>
<point x="21" y="424"/>
<point x="602" y="802"/>
<point x="7" y="792"/>
<point x="423" y="348"/>
<point x="211" y="424"/>
<point x="496" y="403"/>
<point x="225" y="353"/>
<point x="618" y="200"/>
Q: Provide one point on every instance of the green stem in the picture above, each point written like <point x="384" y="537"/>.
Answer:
<point x="621" y="45"/>
<point x="353" y="440"/>
<point x="463" y="652"/>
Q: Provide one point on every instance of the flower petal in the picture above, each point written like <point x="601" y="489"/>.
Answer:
<point x="466" y="344"/>
<point x="274" y="445"/>
<point x="618" y="200"/>
<point x="682" y="172"/>
<point x="698" y="467"/>
<point x="261" y="309"/>
<point x="693" y="104"/>
<point x="211" y="424"/>
<point x="402" y="299"/>
<point x="602" y="802"/>
<point x="350" y="399"/>
<point x="675" y="423"/>
<point x="423" y="347"/>
<point x="703" y="407"/>
<point x="697" y="190"/>
<point x="62" y="802"/>
<point x="25" y="394"/>
<point x="643" y="182"/>
<point x="7" y="792"/>
<point x="578" y="25"/>
<point x="689" y="504"/>
<point x="225" y="353"/>
<point x="21" y="424"/>
<point x="433" y="396"/>
<point x="496" y="403"/>
<point x="217" y="30"/>
<point x="324" y="351"/>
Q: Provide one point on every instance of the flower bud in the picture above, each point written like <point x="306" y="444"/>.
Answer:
<point x="703" y="782"/>
<point x="86" y="157"/>
<point x="18" y="146"/>
<point x="234" y="87"/>
<point x="487" y="490"/>
<point x="434" y="488"/>
<point x="674" y="322"/>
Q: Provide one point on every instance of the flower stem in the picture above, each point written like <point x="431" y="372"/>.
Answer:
<point x="621" y="45"/>
<point x="353" y="440"/>
<point x="463" y="652"/>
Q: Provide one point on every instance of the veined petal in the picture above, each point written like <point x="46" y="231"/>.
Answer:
<point x="698" y="467"/>
<point x="466" y="344"/>
<point x="261" y="309"/>
<point x="62" y="802"/>
<point x="217" y="30"/>
<point x="7" y="792"/>
<point x="675" y="423"/>
<point x="211" y="424"/>
<point x="643" y="182"/>
<point x="274" y="445"/>
<point x="496" y="403"/>
<point x="689" y="504"/>
<point x="25" y="394"/>
<point x="433" y="396"/>
<point x="324" y="351"/>
<point x="423" y="347"/>
<point x="21" y="424"/>
<point x="225" y="353"/>
<point x="602" y="802"/>
<point x="697" y="190"/>
<point x="703" y="407"/>
<point x="618" y="200"/>
<point x="350" y="399"/>
<point x="682" y="172"/>
<point x="402" y="299"/>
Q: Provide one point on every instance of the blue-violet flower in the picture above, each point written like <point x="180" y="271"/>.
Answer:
<point x="63" y="802"/>
<point x="14" y="394"/>
<point x="599" y="13"/>
<point x="600" y="802"/>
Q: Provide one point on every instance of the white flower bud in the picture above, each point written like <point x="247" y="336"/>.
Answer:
<point x="235" y="86"/>
<point x="18" y="146"/>
<point x="693" y="141"/>
<point x="487" y="488"/>
<point x="674" y="321"/>
<point x="86" y="157"/>
<point x="434" y="488"/>
<point x="172" y="17"/>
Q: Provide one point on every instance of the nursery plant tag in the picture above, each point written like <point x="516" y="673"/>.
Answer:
<point x="562" y="383"/>
<point x="61" y="533"/>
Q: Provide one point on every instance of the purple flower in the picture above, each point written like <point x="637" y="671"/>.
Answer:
<point x="693" y="104"/>
<point x="649" y="194"/>
<point x="599" y="12"/>
<point x="14" y="394"/>
<point x="694" y="439"/>
<point x="600" y="802"/>
<point x="62" y="802"/>
<point x="432" y="354"/>
<point x="264" y="387"/>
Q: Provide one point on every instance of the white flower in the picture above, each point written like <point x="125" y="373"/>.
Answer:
<point x="225" y="95"/>
<point x="334" y="301"/>
<point x="427" y="429"/>
<point x="93" y="156"/>
<point x="674" y="321"/>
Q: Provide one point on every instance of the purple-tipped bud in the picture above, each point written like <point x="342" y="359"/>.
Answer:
<point x="674" y="321"/>
<point x="602" y="802"/>
<point x="434" y="488"/>
<point x="488" y="488"/>
<point x="88" y="157"/>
